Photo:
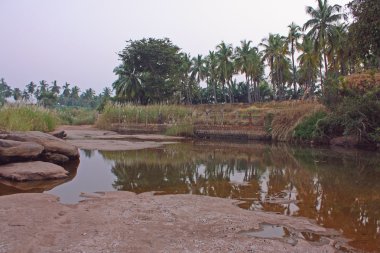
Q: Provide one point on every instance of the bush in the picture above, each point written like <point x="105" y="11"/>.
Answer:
<point x="306" y="130"/>
<point x="27" y="118"/>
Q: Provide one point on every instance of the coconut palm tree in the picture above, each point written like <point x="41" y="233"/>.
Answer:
<point x="17" y="95"/>
<point x="308" y="61"/>
<point x="225" y="66"/>
<point x="323" y="18"/>
<point x="55" y="88"/>
<point x="243" y="63"/>
<point x="31" y="88"/>
<point x="212" y="65"/>
<point x="338" y="48"/>
<point x="66" y="90"/>
<point x="128" y="85"/>
<point x="293" y="36"/>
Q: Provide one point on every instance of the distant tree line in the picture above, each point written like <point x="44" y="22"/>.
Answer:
<point x="156" y="71"/>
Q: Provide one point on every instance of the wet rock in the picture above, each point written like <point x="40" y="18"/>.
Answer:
<point x="55" y="158"/>
<point x="59" y="134"/>
<point x="50" y="143"/>
<point x="31" y="171"/>
<point x="16" y="150"/>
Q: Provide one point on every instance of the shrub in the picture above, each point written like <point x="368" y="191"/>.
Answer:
<point x="306" y="130"/>
<point x="76" y="116"/>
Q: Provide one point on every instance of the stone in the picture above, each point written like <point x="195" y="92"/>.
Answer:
<point x="50" y="143"/>
<point x="31" y="171"/>
<point x="55" y="158"/>
<point x="59" y="134"/>
<point x="16" y="150"/>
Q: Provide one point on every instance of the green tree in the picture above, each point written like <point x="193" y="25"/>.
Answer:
<point x="17" y="95"/>
<point x="225" y="66"/>
<point x="365" y="31"/>
<point x="212" y="70"/>
<point x="323" y="18"/>
<point x="5" y="91"/>
<point x="55" y="89"/>
<point x="156" y="62"/>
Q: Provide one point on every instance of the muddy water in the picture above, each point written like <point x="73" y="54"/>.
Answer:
<point x="338" y="189"/>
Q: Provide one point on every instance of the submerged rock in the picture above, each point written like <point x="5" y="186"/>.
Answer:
<point x="50" y="143"/>
<point x="16" y="150"/>
<point x="30" y="171"/>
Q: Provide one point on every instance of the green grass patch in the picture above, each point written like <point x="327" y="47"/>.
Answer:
<point x="27" y="118"/>
<point x="76" y="116"/>
<point x="306" y="130"/>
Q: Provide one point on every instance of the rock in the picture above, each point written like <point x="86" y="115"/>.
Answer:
<point x="30" y="171"/>
<point x="16" y="150"/>
<point x="55" y="158"/>
<point x="345" y="141"/>
<point x="50" y="143"/>
<point x="59" y="134"/>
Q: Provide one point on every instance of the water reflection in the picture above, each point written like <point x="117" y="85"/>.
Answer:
<point x="340" y="190"/>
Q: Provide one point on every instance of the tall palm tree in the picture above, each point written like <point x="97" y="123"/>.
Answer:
<point x="128" y="86"/>
<point x="55" y="88"/>
<point x="338" y="48"/>
<point x="44" y="87"/>
<point x="225" y="67"/>
<point x="25" y="95"/>
<point x="197" y="69"/>
<point x="31" y="88"/>
<point x="308" y="61"/>
<point x="275" y="53"/>
<point x="293" y="36"/>
<point x="243" y="63"/>
<point x="66" y="90"/>
<point x="17" y="95"/>
<point x="212" y="63"/>
<point x="323" y="18"/>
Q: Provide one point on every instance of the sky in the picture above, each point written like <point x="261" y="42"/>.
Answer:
<point x="77" y="41"/>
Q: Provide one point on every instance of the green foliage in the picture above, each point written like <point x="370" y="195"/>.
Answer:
<point x="150" y="71"/>
<point x="306" y="130"/>
<point x="27" y="118"/>
<point x="76" y="116"/>
<point x="181" y="129"/>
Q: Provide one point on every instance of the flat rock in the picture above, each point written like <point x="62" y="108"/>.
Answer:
<point x="30" y="171"/>
<point x="15" y="150"/>
<point x="116" y="145"/>
<point x="126" y="222"/>
<point x="50" y="143"/>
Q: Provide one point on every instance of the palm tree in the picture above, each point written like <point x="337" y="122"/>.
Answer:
<point x="75" y="92"/>
<point x="197" y="69"/>
<point x="243" y="64"/>
<point x="338" y="48"/>
<point x="25" y="95"/>
<point x="275" y="53"/>
<point x="31" y="88"/>
<point x="308" y="60"/>
<point x="225" y="67"/>
<point x="186" y="82"/>
<point x="128" y="85"/>
<point x="17" y="94"/>
<point x="66" y="90"/>
<point x="212" y="65"/>
<point x="107" y="92"/>
<point x="323" y="18"/>
<point x="55" y="88"/>
<point x="43" y="87"/>
<point x="293" y="36"/>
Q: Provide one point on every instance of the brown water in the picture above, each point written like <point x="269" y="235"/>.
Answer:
<point x="338" y="189"/>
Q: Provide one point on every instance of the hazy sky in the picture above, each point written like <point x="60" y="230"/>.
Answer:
<point x="77" y="40"/>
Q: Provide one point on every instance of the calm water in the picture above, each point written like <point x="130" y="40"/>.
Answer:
<point x="337" y="189"/>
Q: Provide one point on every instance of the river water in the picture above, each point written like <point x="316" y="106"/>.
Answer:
<point x="338" y="189"/>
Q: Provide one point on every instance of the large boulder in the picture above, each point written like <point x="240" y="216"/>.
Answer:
<point x="30" y="171"/>
<point x="16" y="150"/>
<point x="49" y="142"/>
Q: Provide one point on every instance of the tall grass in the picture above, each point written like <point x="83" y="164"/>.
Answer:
<point x="150" y="114"/>
<point x="27" y="118"/>
<point x="76" y="116"/>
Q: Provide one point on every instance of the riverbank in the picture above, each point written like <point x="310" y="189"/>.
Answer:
<point x="126" y="222"/>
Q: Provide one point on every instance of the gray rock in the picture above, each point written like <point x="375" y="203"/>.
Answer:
<point x="49" y="142"/>
<point x="16" y="150"/>
<point x="31" y="171"/>
<point x="55" y="158"/>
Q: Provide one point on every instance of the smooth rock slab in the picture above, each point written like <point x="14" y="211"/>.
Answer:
<point x="19" y="150"/>
<point x="30" y="171"/>
<point x="50" y="143"/>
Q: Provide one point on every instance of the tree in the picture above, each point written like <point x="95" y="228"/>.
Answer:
<point x="212" y="67"/>
<point x="365" y="31"/>
<point x="31" y="88"/>
<point x="152" y="63"/>
<point x="225" y="66"/>
<point x="5" y="91"/>
<point x="17" y="94"/>
<point x="293" y="36"/>
<point x="66" y="90"/>
<point x="323" y="18"/>
<point x="55" y="88"/>
<point x="243" y="63"/>
<point x="197" y="69"/>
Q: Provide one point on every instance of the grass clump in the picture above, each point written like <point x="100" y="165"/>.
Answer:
<point x="76" y="116"/>
<point x="27" y="118"/>
<point x="150" y="114"/>
<point x="306" y="130"/>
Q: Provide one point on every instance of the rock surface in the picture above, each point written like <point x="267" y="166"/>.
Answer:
<point x="13" y="150"/>
<point x="50" y="143"/>
<point x="126" y="222"/>
<point x="29" y="171"/>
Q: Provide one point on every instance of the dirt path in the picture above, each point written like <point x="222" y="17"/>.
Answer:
<point x="126" y="222"/>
